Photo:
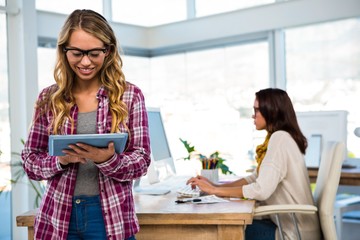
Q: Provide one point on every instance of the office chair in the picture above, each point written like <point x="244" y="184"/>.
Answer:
<point x="324" y="195"/>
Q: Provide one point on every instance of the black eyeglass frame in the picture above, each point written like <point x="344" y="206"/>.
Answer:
<point x="85" y="52"/>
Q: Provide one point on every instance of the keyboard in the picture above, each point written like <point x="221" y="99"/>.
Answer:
<point x="172" y="183"/>
<point x="187" y="191"/>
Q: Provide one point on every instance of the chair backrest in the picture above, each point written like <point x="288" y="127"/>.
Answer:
<point x="327" y="184"/>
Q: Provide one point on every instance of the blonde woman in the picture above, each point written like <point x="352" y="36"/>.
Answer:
<point x="89" y="190"/>
<point x="281" y="176"/>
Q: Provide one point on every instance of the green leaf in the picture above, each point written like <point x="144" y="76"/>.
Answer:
<point x="225" y="169"/>
<point x="189" y="149"/>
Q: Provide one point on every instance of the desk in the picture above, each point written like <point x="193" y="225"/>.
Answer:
<point x="349" y="176"/>
<point x="161" y="218"/>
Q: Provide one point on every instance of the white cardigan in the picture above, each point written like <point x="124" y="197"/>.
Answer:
<point x="283" y="179"/>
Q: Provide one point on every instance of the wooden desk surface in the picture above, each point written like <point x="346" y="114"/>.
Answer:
<point x="161" y="218"/>
<point x="238" y="211"/>
<point x="349" y="176"/>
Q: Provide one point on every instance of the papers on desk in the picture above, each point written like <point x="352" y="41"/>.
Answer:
<point x="203" y="200"/>
<point x="211" y="199"/>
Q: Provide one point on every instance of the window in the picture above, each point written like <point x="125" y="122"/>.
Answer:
<point x="148" y="13"/>
<point x="67" y="6"/>
<point x="206" y="98"/>
<point x="209" y="7"/>
<point x="5" y="174"/>
<point x="323" y="70"/>
<point x="46" y="65"/>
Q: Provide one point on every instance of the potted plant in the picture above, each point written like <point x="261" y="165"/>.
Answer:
<point x="210" y="164"/>
<point x="18" y="178"/>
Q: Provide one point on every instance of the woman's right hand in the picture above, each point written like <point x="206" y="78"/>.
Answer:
<point x="204" y="184"/>
<point x="65" y="160"/>
<point x="202" y="179"/>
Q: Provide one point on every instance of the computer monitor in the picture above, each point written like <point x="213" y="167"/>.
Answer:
<point x="162" y="164"/>
<point x="161" y="157"/>
<point x="320" y="127"/>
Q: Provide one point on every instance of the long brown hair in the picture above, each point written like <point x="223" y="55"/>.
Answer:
<point x="277" y="109"/>
<point x="60" y="99"/>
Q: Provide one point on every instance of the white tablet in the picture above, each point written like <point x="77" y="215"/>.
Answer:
<point x="57" y="143"/>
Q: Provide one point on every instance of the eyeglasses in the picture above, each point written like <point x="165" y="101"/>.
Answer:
<point x="256" y="110"/>
<point x="77" y="54"/>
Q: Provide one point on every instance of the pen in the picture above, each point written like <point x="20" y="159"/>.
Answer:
<point x="188" y="200"/>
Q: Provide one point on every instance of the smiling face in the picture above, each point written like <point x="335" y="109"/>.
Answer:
<point x="86" y="68"/>
<point x="259" y="120"/>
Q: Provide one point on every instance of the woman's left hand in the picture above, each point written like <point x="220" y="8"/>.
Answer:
<point x="97" y="155"/>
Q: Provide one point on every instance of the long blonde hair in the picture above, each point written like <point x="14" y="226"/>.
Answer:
<point x="60" y="100"/>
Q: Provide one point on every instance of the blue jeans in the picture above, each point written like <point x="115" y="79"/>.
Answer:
<point x="87" y="221"/>
<point x="261" y="230"/>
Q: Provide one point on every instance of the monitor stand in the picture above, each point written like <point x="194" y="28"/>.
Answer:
<point x="152" y="178"/>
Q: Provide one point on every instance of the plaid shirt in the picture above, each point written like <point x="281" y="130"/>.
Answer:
<point x="115" y="175"/>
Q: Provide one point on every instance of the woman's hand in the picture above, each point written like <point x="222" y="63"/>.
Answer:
<point x="202" y="178"/>
<point x="65" y="160"/>
<point x="80" y="152"/>
<point x="204" y="184"/>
